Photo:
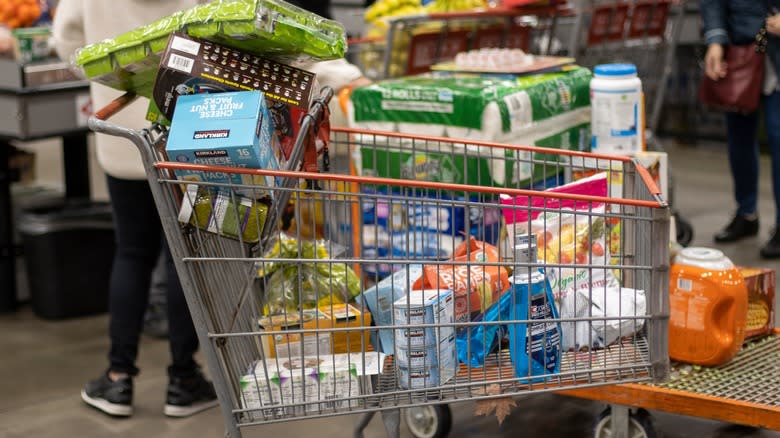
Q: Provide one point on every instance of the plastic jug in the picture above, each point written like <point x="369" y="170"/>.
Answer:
<point x="708" y="304"/>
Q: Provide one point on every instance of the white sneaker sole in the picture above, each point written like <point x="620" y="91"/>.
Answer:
<point x="106" y="406"/>
<point x="186" y="411"/>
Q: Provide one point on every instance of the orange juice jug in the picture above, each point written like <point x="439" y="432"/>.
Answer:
<point x="708" y="308"/>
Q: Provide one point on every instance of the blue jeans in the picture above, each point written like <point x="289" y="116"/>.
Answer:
<point x="743" y="154"/>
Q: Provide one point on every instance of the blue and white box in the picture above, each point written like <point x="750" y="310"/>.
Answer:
<point x="435" y="306"/>
<point x="224" y="129"/>
<point x="427" y="356"/>
<point x="380" y="298"/>
<point x="429" y="377"/>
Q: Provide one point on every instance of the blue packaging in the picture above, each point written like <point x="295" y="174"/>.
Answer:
<point x="379" y="301"/>
<point x="404" y="224"/>
<point x="223" y="129"/>
<point x="539" y="341"/>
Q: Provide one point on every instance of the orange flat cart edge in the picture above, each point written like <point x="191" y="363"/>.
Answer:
<point x="679" y="402"/>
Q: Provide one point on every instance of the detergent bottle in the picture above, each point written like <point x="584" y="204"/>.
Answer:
<point x="708" y="308"/>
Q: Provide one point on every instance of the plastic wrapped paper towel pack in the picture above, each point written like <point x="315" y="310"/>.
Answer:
<point x="549" y="110"/>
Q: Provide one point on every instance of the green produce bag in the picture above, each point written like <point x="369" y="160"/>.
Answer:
<point x="304" y="285"/>
<point x="264" y="27"/>
<point x="223" y="213"/>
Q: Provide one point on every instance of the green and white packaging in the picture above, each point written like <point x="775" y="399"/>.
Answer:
<point x="549" y="110"/>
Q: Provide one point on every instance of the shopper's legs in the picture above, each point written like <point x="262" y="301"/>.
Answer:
<point x="137" y="228"/>
<point x="188" y="391"/>
<point x="183" y="339"/>
<point x="743" y="159"/>
<point x="772" y="121"/>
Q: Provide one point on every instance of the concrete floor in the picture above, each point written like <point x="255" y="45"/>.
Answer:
<point x="44" y="364"/>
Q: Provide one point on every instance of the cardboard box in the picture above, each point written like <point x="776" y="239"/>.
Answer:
<point x="228" y="129"/>
<point x="348" y="316"/>
<point x="324" y="341"/>
<point x="271" y="386"/>
<point x="760" y="284"/>
<point x="192" y="66"/>
<point x="295" y="344"/>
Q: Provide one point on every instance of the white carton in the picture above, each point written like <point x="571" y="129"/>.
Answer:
<point x="327" y="382"/>
<point x="426" y="356"/>
<point x="424" y="307"/>
<point x="429" y="377"/>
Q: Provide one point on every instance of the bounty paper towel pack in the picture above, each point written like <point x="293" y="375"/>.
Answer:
<point x="549" y="110"/>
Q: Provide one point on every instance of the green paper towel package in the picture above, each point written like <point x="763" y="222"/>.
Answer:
<point x="266" y="27"/>
<point x="548" y="110"/>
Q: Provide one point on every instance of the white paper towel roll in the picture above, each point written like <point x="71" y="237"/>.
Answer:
<point x="425" y="129"/>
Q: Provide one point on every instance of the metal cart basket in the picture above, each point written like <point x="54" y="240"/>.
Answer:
<point x="283" y="272"/>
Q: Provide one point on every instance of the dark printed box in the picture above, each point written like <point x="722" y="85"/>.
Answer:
<point x="192" y="66"/>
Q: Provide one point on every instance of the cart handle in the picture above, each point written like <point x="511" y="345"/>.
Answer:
<point x="115" y="106"/>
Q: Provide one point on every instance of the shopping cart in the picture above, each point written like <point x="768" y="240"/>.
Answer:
<point x="267" y="300"/>
<point x="642" y="32"/>
<point x="412" y="44"/>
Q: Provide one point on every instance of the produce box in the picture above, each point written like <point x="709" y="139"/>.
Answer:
<point x="32" y="44"/>
<point x="760" y="284"/>
<point x="348" y="316"/>
<point x="226" y="129"/>
<point x="193" y="66"/>
<point x="271" y="27"/>
<point x="549" y="110"/>
<point x="268" y="385"/>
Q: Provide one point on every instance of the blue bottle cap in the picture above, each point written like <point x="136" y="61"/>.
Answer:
<point x="615" y="70"/>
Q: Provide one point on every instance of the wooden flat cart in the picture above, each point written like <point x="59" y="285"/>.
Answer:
<point x="745" y="391"/>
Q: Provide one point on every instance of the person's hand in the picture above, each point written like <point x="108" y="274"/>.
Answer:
<point x="773" y="24"/>
<point x="714" y="65"/>
<point x="6" y="42"/>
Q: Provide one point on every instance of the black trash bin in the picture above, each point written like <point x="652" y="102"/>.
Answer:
<point x="68" y="252"/>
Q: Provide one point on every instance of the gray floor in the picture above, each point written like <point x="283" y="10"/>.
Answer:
<point x="44" y="364"/>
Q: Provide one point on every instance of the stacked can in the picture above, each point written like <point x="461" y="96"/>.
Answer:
<point x="425" y="356"/>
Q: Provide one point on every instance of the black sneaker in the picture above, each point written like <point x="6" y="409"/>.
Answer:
<point x="112" y="397"/>
<point x="188" y="396"/>
<point x="738" y="228"/>
<point x="772" y="248"/>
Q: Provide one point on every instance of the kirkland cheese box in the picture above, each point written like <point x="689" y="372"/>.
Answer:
<point x="547" y="110"/>
<point x="193" y="66"/>
<point x="227" y="129"/>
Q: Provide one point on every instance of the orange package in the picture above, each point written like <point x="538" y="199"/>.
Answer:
<point x="476" y="287"/>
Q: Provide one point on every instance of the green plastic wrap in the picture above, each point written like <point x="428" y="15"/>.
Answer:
<point x="221" y="213"/>
<point x="262" y="27"/>
<point x="306" y="285"/>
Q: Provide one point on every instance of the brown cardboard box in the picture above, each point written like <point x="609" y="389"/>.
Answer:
<point x="292" y="345"/>
<point x="347" y="315"/>
<point x="760" y="284"/>
<point x="323" y="340"/>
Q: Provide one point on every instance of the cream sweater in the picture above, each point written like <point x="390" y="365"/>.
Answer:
<point x="81" y="22"/>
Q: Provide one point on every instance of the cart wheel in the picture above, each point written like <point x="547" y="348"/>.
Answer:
<point x="640" y="425"/>
<point x="433" y="421"/>
<point x="684" y="230"/>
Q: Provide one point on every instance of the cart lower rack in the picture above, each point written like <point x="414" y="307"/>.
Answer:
<point x="352" y="291"/>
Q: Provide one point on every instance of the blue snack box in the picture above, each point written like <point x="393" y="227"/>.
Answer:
<point x="224" y="129"/>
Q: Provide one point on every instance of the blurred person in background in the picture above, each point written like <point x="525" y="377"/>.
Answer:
<point x="139" y="235"/>
<point x="738" y="22"/>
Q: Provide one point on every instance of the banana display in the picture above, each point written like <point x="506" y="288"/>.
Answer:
<point x="400" y="8"/>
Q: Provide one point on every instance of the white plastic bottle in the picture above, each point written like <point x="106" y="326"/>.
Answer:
<point x="617" y="112"/>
